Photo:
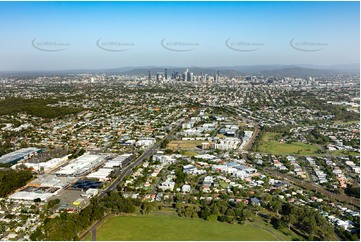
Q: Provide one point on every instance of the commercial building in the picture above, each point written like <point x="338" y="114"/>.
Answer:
<point x="45" y="166"/>
<point x="32" y="193"/>
<point x="82" y="165"/>
<point x="102" y="174"/>
<point x="48" y="180"/>
<point x="44" y="187"/>
<point x="145" y="142"/>
<point x="19" y="155"/>
<point x="119" y="161"/>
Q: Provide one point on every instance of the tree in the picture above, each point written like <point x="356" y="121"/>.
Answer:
<point x="276" y="206"/>
<point x="36" y="235"/>
<point x="247" y="214"/>
<point x="146" y="207"/>
<point x="290" y="219"/>
<point x="277" y="223"/>
<point x="353" y="191"/>
<point x="326" y="231"/>
<point x="230" y="212"/>
<point x="206" y="211"/>
<point x="212" y="217"/>
<point x="10" y="180"/>
<point x="267" y="197"/>
<point x="310" y="226"/>
<point x="53" y="202"/>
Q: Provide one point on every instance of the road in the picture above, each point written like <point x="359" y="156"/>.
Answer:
<point x="93" y="228"/>
<point x="129" y="169"/>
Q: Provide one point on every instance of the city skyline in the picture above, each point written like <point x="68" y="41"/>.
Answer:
<point x="45" y="35"/>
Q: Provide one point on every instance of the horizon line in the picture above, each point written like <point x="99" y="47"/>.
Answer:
<point x="170" y="66"/>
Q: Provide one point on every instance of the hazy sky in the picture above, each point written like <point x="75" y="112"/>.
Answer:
<point x="323" y="33"/>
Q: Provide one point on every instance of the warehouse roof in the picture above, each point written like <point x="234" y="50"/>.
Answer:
<point x="18" y="155"/>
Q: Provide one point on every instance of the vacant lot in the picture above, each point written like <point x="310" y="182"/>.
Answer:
<point x="184" y="144"/>
<point x="154" y="227"/>
<point x="269" y="143"/>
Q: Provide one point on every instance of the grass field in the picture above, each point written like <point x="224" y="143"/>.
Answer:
<point x="155" y="227"/>
<point x="344" y="152"/>
<point x="189" y="153"/>
<point x="270" y="144"/>
<point x="184" y="144"/>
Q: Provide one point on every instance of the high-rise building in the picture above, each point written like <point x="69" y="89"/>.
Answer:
<point x="159" y="76"/>
<point x="165" y="74"/>
<point x="191" y="77"/>
<point x="174" y="75"/>
<point x="149" y="75"/>
<point x="185" y="75"/>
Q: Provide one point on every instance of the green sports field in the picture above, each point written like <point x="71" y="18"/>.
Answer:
<point x="176" y="228"/>
<point x="270" y="144"/>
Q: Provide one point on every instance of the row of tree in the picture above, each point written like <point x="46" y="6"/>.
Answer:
<point x="217" y="210"/>
<point x="306" y="221"/>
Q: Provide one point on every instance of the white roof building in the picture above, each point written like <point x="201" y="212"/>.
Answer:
<point x="102" y="174"/>
<point x="81" y="165"/>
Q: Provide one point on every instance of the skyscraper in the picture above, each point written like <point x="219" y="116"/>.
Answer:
<point x="149" y="75"/>
<point x="159" y="76"/>
<point x="185" y="75"/>
<point x="165" y="74"/>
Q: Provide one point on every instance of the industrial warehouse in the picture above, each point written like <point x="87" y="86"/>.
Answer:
<point x="82" y="165"/>
<point x="19" y="155"/>
<point x="74" y="182"/>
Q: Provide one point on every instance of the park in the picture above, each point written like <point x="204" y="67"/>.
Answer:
<point x="160" y="227"/>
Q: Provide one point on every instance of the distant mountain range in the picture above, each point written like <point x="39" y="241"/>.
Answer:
<point x="267" y="70"/>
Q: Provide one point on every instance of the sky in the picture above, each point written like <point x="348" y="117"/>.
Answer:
<point x="97" y="35"/>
